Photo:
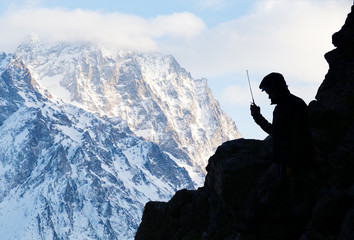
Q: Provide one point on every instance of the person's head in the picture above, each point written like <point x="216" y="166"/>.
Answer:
<point x="275" y="86"/>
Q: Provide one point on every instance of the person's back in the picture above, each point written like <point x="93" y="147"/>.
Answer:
<point x="292" y="142"/>
<point x="290" y="131"/>
<point x="283" y="187"/>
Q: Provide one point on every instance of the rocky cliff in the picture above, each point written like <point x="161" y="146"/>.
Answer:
<point x="218" y="209"/>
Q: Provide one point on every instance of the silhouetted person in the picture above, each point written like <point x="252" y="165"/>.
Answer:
<point x="290" y="131"/>
<point x="281" y="187"/>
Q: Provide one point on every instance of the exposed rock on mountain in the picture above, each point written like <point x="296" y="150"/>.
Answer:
<point x="158" y="99"/>
<point x="67" y="174"/>
<point x="88" y="136"/>
<point x="218" y="209"/>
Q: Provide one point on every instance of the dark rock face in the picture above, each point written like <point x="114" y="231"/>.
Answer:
<point x="210" y="211"/>
<point x="217" y="209"/>
<point x="173" y="220"/>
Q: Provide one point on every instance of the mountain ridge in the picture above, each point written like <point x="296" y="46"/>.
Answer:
<point x="62" y="164"/>
<point x="160" y="101"/>
<point x="68" y="172"/>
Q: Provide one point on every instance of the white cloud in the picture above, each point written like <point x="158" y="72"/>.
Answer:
<point x="284" y="36"/>
<point x="119" y="30"/>
<point x="290" y="37"/>
<point x="185" y="25"/>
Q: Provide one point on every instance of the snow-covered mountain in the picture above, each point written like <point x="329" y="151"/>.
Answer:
<point x="89" y="135"/>
<point x="67" y="174"/>
<point x="160" y="101"/>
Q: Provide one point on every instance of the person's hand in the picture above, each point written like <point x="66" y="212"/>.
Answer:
<point x="255" y="110"/>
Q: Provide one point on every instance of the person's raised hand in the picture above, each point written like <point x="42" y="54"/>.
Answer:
<point x="255" y="110"/>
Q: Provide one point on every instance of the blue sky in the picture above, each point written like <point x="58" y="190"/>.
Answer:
<point x="212" y="12"/>
<point x="214" y="39"/>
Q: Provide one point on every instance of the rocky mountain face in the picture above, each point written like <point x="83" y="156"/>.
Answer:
<point x="218" y="210"/>
<point x="67" y="174"/>
<point x="157" y="98"/>
<point x="88" y="136"/>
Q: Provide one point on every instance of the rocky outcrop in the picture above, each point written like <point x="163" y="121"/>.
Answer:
<point x="332" y="116"/>
<point x="218" y="210"/>
<point x="210" y="209"/>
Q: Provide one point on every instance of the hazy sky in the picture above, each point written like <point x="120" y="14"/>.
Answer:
<point x="215" y="39"/>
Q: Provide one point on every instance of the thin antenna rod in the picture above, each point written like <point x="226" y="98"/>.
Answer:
<point x="249" y="84"/>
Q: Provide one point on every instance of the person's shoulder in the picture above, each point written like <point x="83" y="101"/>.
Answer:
<point x="296" y="100"/>
<point x="298" y="104"/>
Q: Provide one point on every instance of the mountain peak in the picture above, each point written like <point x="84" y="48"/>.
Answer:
<point x="159" y="99"/>
<point x="120" y="129"/>
<point x="31" y="39"/>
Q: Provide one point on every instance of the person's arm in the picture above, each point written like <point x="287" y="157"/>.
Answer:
<point x="260" y="120"/>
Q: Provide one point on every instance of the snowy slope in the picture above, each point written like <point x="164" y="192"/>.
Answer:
<point x="88" y="135"/>
<point x="69" y="174"/>
<point x="157" y="98"/>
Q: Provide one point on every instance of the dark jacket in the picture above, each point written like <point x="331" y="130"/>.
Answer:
<point x="290" y="131"/>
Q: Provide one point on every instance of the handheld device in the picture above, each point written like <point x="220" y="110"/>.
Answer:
<point x="249" y="84"/>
